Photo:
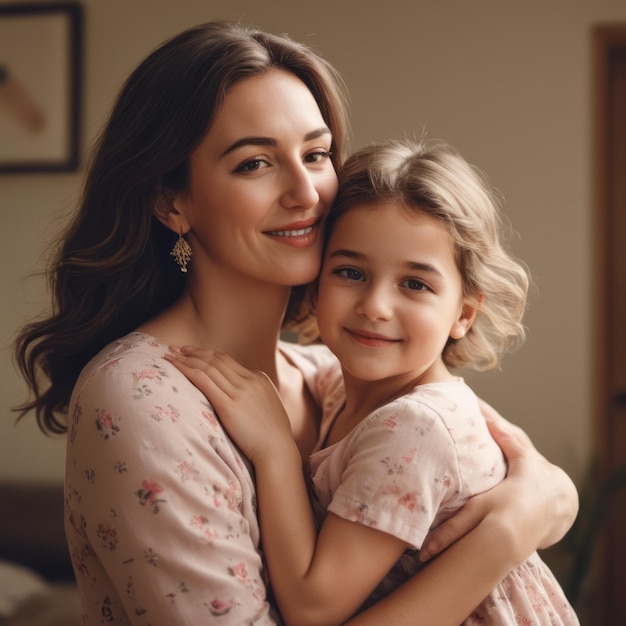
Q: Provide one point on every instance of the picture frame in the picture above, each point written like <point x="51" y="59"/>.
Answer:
<point x="40" y="86"/>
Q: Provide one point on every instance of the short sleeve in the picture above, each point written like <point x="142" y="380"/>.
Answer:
<point x="400" y="470"/>
<point x="160" y="506"/>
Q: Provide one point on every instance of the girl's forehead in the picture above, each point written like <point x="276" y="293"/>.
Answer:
<point x="388" y="218"/>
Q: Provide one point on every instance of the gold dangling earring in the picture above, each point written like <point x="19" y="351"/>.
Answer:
<point x="181" y="252"/>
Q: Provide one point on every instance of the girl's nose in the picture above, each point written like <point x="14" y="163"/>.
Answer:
<point x="300" y="191"/>
<point x="375" y="303"/>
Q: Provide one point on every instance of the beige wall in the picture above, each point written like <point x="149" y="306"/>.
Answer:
<point x="508" y="83"/>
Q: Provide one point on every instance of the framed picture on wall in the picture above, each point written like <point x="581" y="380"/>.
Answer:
<point x="40" y="84"/>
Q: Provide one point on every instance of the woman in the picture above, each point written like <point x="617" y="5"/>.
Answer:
<point x="224" y="148"/>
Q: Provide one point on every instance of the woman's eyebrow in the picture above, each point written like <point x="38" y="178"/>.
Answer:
<point x="250" y="141"/>
<point x="270" y="141"/>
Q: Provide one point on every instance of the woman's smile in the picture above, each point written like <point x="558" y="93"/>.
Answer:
<point x="298" y="234"/>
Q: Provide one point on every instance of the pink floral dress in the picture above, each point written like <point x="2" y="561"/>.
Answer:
<point x="160" y="505"/>
<point x="409" y="466"/>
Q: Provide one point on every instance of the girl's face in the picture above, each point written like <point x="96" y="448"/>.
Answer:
<point x="390" y="294"/>
<point x="261" y="184"/>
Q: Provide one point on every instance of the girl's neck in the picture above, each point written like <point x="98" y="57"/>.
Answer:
<point x="363" y="397"/>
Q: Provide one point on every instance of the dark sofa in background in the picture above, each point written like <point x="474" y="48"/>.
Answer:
<point x="36" y="580"/>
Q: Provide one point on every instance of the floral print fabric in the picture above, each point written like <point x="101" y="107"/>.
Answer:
<point x="160" y="505"/>
<point x="409" y="466"/>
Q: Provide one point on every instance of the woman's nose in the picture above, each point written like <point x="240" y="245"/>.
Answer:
<point x="375" y="303"/>
<point x="300" y="191"/>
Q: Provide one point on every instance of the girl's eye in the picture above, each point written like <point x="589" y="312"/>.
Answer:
<point x="349" y="273"/>
<point x="414" y="285"/>
<point x="252" y="166"/>
<point x="317" y="156"/>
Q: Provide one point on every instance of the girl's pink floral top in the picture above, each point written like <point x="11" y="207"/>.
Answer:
<point x="409" y="466"/>
<point x="160" y="509"/>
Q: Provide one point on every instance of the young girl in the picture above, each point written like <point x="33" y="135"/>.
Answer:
<point x="415" y="281"/>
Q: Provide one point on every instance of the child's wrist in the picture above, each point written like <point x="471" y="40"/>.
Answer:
<point x="282" y="453"/>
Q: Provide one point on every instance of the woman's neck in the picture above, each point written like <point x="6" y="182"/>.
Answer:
<point x="242" y="320"/>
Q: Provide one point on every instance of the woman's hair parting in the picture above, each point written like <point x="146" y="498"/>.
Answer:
<point x="113" y="268"/>
<point x="432" y="177"/>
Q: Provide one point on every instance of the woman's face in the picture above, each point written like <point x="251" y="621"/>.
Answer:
<point x="261" y="184"/>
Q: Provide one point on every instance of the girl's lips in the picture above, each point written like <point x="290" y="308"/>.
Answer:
<point x="371" y="339"/>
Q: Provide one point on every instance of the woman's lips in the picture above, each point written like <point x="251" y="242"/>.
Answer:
<point x="297" y="234"/>
<point x="291" y="233"/>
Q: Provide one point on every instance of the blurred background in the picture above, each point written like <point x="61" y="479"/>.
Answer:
<point x="514" y="85"/>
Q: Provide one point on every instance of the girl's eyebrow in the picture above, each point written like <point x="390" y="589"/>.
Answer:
<point x="269" y="141"/>
<point x="351" y="254"/>
<point x="413" y="266"/>
<point x="423" y="267"/>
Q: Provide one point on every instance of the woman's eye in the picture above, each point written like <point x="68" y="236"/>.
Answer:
<point x="350" y="273"/>
<point x="414" y="285"/>
<point x="252" y="166"/>
<point x="317" y="156"/>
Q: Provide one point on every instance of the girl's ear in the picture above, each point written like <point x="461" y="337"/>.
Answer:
<point x="466" y="318"/>
<point x="166" y="211"/>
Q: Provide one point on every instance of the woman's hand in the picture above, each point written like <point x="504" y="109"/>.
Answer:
<point x="537" y="500"/>
<point x="246" y="401"/>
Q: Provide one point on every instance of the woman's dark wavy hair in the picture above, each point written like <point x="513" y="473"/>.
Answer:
<point x="113" y="269"/>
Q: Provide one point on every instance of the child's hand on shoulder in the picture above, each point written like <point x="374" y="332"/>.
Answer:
<point x="246" y="401"/>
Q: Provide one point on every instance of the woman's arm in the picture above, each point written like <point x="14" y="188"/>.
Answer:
<point x="495" y="531"/>
<point x="510" y="522"/>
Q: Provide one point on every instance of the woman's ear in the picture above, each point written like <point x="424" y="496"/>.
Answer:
<point x="167" y="212"/>
<point x="466" y="318"/>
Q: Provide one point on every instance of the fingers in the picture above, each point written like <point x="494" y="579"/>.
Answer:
<point x="513" y="441"/>
<point x="209" y="361"/>
<point x="208" y="371"/>
<point x="453" y="529"/>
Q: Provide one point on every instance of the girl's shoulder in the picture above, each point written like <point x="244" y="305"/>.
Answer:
<point x="444" y="396"/>
<point x="433" y="408"/>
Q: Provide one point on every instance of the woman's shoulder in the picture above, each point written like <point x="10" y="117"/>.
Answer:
<point x="320" y="369"/>
<point x="309" y="357"/>
<point x="126" y="356"/>
<point x="126" y="350"/>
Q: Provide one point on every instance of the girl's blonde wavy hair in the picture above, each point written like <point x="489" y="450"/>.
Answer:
<point x="434" y="178"/>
